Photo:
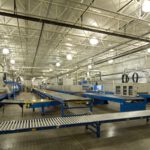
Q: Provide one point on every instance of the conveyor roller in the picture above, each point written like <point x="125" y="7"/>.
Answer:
<point x="61" y="122"/>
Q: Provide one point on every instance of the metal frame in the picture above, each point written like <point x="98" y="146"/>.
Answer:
<point x="63" y="103"/>
<point x="33" y="105"/>
<point x="91" y="122"/>
<point x="126" y="103"/>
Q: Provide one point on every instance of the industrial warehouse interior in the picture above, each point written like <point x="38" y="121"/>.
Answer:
<point x="75" y="74"/>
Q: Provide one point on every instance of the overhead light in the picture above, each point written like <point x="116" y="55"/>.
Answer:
<point x="50" y="70"/>
<point x="12" y="61"/>
<point x="6" y="36"/>
<point x="58" y="64"/>
<point x="146" y="6"/>
<point x="69" y="44"/>
<point x="88" y="74"/>
<point x="148" y="50"/>
<point x="69" y="39"/>
<point x="94" y="41"/>
<point x="5" y="51"/>
<point x="69" y="57"/>
<point x="73" y="52"/>
<point x="111" y="50"/>
<point x="89" y="66"/>
<point x="110" y="61"/>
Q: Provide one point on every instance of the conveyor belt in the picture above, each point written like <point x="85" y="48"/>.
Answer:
<point x="64" y="97"/>
<point x="13" y="101"/>
<point x="40" y="103"/>
<point x="115" y="97"/>
<point x="61" y="122"/>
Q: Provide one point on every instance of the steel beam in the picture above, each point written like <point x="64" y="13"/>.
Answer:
<point x="69" y="25"/>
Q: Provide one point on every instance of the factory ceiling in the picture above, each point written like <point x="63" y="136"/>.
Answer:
<point x="56" y="37"/>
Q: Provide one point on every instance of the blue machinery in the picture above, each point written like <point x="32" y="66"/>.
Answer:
<point x="3" y="96"/>
<point x="13" y="92"/>
<point x="16" y="87"/>
<point x="92" y="122"/>
<point x="29" y="104"/>
<point x="126" y="103"/>
<point x="146" y="97"/>
<point x="58" y="99"/>
<point x="64" y="99"/>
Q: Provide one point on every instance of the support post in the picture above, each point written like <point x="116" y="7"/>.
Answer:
<point x="147" y="119"/>
<point x="62" y="109"/>
<point x="3" y="108"/>
<point x="42" y="109"/>
<point x="22" y="110"/>
<point x="98" y="126"/>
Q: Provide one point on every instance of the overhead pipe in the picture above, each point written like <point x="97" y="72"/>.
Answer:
<point x="124" y="54"/>
<point x="115" y="57"/>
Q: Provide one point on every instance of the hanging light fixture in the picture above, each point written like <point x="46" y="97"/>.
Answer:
<point x="69" y="57"/>
<point x="146" y="6"/>
<point x="58" y="64"/>
<point x="93" y="41"/>
<point x="12" y="61"/>
<point x="5" y="51"/>
<point x="110" y="61"/>
<point x="111" y="50"/>
<point x="148" y="50"/>
<point x="89" y="66"/>
<point x="50" y="70"/>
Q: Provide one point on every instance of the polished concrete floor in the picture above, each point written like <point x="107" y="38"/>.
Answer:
<point x="129" y="135"/>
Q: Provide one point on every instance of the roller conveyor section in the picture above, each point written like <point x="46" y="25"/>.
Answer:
<point x="64" y="97"/>
<point x="64" y="100"/>
<point x="62" y="122"/>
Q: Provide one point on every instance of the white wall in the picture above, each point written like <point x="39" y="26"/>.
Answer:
<point x="117" y="67"/>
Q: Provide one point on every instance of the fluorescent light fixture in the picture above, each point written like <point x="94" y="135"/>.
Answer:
<point x="12" y="61"/>
<point x="5" y="51"/>
<point x="111" y="50"/>
<point x="58" y="64"/>
<point x="89" y="66"/>
<point x="146" y="6"/>
<point x="110" y="61"/>
<point x="148" y="50"/>
<point x="69" y="57"/>
<point x="69" y="44"/>
<point x="94" y="41"/>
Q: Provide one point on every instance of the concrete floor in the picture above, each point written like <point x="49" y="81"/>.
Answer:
<point x="129" y="135"/>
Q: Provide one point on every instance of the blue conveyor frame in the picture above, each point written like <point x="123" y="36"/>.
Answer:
<point x="124" y="105"/>
<point x="62" y="103"/>
<point x="93" y="124"/>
